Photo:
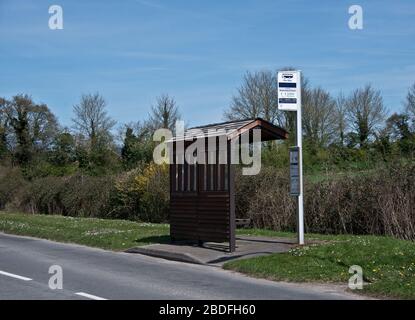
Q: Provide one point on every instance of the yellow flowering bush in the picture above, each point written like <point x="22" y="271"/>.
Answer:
<point x="142" y="194"/>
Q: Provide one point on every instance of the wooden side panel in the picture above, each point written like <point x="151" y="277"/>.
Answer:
<point x="213" y="217"/>
<point x="231" y="211"/>
<point x="203" y="217"/>
<point x="201" y="203"/>
<point x="183" y="217"/>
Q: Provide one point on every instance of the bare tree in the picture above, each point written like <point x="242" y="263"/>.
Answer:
<point x="365" y="113"/>
<point x="164" y="114"/>
<point x="410" y="102"/>
<point x="340" y="117"/>
<point x="91" y="119"/>
<point x="319" y="117"/>
<point x="257" y="97"/>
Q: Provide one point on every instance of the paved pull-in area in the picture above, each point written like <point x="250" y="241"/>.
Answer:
<point x="216" y="254"/>
<point x="98" y="274"/>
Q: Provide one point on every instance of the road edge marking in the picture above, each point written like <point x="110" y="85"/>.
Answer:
<point x="89" y="296"/>
<point x="16" y="276"/>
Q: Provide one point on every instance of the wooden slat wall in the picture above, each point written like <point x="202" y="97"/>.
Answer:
<point x="183" y="217"/>
<point x="199" y="213"/>
<point x="213" y="217"/>
<point x="201" y="218"/>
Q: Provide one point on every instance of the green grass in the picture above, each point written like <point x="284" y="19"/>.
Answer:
<point x="388" y="264"/>
<point x="264" y="233"/>
<point x="106" y="234"/>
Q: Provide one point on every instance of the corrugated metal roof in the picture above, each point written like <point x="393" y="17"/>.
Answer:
<point x="214" y="129"/>
<point x="226" y="124"/>
<point x="217" y="129"/>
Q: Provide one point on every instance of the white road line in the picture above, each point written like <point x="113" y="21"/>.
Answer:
<point x="11" y="275"/>
<point x="89" y="296"/>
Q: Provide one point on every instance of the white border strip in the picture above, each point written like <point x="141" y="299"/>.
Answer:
<point x="11" y="275"/>
<point x="89" y="296"/>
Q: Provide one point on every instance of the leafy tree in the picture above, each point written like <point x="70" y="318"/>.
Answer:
<point x="63" y="150"/>
<point x="19" y="120"/>
<point x="137" y="145"/>
<point x="34" y="127"/>
<point x="82" y="156"/>
<point x="3" y="142"/>
<point x="400" y="131"/>
<point x="128" y="151"/>
<point x="383" y="143"/>
<point x="3" y="128"/>
<point x="97" y="160"/>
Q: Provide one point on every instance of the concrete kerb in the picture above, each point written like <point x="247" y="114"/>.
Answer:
<point x="215" y="254"/>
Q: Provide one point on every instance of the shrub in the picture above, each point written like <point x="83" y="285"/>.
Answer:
<point x="142" y="194"/>
<point x="125" y="202"/>
<point x="153" y="187"/>
<point x="76" y="195"/>
<point x="12" y="185"/>
<point x="378" y="202"/>
<point x="265" y="199"/>
<point x="88" y="196"/>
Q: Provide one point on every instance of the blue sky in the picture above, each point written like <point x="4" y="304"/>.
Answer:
<point x="131" y="51"/>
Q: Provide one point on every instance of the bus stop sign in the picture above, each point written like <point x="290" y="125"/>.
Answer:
<point x="289" y="90"/>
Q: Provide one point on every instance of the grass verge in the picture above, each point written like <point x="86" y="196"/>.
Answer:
<point x="388" y="264"/>
<point x="100" y="233"/>
<point x="93" y="232"/>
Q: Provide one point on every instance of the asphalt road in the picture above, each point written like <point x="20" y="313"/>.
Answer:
<point x="93" y="274"/>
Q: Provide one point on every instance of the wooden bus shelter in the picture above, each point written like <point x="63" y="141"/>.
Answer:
<point x="202" y="196"/>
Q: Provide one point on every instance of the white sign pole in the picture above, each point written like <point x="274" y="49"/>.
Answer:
<point x="299" y="140"/>
<point x="289" y="99"/>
